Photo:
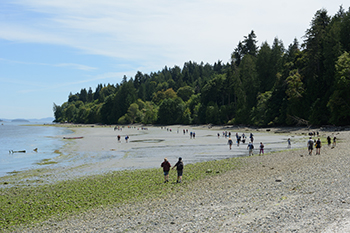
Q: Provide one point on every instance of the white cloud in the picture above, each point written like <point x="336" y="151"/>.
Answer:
<point x="137" y="35"/>
<point x="163" y="31"/>
<point x="76" y="66"/>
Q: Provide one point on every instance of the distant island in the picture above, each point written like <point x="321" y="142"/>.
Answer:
<point x="19" y="120"/>
<point x="47" y="119"/>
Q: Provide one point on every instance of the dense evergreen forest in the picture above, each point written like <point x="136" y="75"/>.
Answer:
<point x="307" y="83"/>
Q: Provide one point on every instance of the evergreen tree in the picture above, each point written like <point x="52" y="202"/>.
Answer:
<point x="339" y="102"/>
<point x="90" y="95"/>
<point x="83" y="96"/>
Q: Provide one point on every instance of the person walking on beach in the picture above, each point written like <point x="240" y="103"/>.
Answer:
<point x="118" y="138"/>
<point x="230" y="142"/>
<point x="310" y="145"/>
<point x="250" y="147"/>
<point x="329" y="140"/>
<point x="166" y="168"/>
<point x="261" y="148"/>
<point x="289" y="143"/>
<point x="318" y="146"/>
<point x="251" y="136"/>
<point x="126" y="138"/>
<point x="334" y="141"/>
<point x="179" y="168"/>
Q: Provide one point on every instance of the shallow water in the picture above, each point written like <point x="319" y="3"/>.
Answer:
<point x="18" y="137"/>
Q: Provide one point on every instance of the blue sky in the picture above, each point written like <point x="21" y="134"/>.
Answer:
<point x="49" y="48"/>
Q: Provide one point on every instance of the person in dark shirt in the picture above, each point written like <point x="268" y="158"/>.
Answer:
<point x="230" y="142"/>
<point x="329" y="140"/>
<point x="166" y="168"/>
<point x="318" y="146"/>
<point x="179" y="167"/>
<point x="261" y="148"/>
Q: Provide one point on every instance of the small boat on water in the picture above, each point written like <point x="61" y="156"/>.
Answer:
<point x="17" y="151"/>
<point x="73" y="137"/>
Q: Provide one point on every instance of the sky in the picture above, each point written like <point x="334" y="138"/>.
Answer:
<point x="51" y="48"/>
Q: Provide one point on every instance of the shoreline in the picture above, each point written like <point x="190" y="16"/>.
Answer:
<point x="101" y="139"/>
<point x="287" y="191"/>
<point x="282" y="191"/>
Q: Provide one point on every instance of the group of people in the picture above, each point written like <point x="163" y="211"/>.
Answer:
<point x="239" y="138"/>
<point x="334" y="141"/>
<point x="311" y="143"/>
<point x="310" y="146"/>
<point x="192" y="135"/>
<point x="180" y="166"/>
<point x="242" y="138"/>
<point x="250" y="147"/>
<point x="126" y="138"/>
<point x="166" y="169"/>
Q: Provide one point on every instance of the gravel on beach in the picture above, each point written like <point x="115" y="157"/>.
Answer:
<point x="288" y="191"/>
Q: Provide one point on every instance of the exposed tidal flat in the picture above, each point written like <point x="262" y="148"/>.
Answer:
<point x="286" y="191"/>
<point x="99" y="151"/>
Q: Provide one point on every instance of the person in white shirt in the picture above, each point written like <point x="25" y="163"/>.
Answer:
<point x="310" y="145"/>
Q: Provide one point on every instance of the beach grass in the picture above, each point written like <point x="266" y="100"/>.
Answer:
<point x="34" y="203"/>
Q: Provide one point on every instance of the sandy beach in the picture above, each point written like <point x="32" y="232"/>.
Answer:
<point x="288" y="191"/>
<point x="99" y="151"/>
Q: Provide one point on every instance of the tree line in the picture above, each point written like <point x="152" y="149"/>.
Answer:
<point x="264" y="85"/>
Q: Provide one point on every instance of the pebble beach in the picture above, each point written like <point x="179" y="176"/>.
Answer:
<point x="288" y="191"/>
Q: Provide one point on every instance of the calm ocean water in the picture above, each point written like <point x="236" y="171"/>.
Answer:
<point x="20" y="136"/>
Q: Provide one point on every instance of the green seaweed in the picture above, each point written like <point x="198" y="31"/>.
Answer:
<point x="26" y="205"/>
<point x="46" y="162"/>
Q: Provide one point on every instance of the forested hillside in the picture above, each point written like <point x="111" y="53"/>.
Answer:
<point x="263" y="85"/>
